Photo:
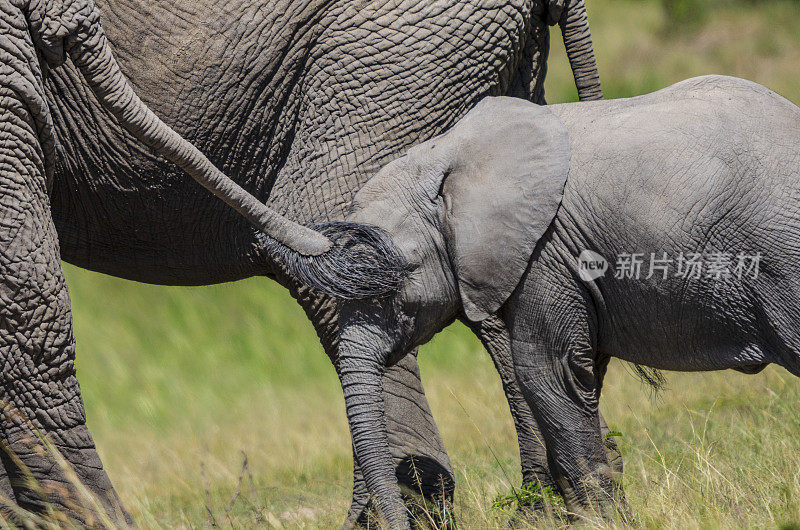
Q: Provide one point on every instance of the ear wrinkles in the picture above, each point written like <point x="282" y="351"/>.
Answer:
<point x="503" y="191"/>
<point x="431" y="163"/>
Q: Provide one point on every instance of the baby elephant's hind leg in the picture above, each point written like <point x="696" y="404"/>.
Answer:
<point x="552" y="334"/>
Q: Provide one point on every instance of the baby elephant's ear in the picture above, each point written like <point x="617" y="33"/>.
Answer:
<point x="503" y="190"/>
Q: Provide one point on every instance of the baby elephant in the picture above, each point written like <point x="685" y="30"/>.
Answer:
<point x="663" y="230"/>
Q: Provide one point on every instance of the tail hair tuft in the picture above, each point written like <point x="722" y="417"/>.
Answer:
<point x="362" y="263"/>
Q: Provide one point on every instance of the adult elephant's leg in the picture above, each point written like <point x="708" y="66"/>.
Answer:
<point x="529" y="78"/>
<point x="6" y="491"/>
<point x="39" y="391"/>
<point x="422" y="466"/>
<point x="528" y="81"/>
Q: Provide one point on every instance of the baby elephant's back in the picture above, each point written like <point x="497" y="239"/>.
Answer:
<point x="703" y="161"/>
<point x="691" y="194"/>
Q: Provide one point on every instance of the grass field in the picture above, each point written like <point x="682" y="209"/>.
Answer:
<point x="180" y="383"/>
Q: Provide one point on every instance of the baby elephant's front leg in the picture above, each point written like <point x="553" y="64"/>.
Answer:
<point x="495" y="337"/>
<point x="554" y="358"/>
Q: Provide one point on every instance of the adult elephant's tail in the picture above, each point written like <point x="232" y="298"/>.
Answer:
<point x="338" y="259"/>
<point x="574" y="24"/>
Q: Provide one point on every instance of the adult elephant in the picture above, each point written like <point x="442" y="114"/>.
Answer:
<point x="39" y="392"/>
<point x="300" y="103"/>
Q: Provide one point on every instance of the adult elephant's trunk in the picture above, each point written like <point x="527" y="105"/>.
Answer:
<point x="574" y="24"/>
<point x="339" y="259"/>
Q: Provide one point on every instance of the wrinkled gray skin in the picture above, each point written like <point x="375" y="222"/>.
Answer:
<point x="299" y="103"/>
<point x="39" y="390"/>
<point x="707" y="165"/>
<point x="301" y="124"/>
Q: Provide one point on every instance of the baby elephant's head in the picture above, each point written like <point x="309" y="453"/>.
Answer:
<point x="467" y="208"/>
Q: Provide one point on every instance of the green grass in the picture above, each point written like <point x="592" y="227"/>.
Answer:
<point x="179" y="382"/>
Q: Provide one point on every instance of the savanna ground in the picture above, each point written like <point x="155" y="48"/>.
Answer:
<point x="180" y="383"/>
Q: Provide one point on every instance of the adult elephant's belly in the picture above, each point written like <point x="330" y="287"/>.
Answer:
<point x="300" y="102"/>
